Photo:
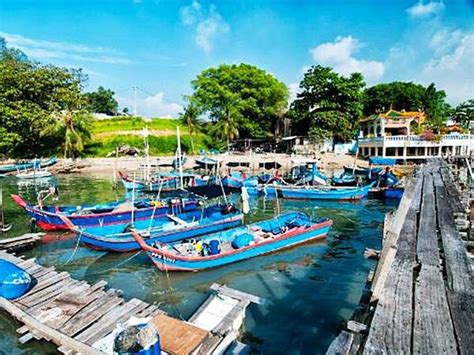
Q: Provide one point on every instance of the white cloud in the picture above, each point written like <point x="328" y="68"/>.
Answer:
<point x="420" y="9"/>
<point x="207" y="23"/>
<point x="340" y="55"/>
<point x="454" y="71"/>
<point x="42" y="49"/>
<point x="152" y="105"/>
<point x="294" y="89"/>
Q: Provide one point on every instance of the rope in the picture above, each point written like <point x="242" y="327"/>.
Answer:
<point x="126" y="260"/>
<point x="75" y="248"/>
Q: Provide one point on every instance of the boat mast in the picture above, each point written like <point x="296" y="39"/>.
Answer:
<point x="180" y="162"/>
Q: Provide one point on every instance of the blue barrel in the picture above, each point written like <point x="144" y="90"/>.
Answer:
<point x="214" y="247"/>
<point x="14" y="281"/>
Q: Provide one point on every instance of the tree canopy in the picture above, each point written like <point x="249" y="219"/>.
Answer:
<point x="242" y="100"/>
<point x="32" y="96"/>
<point x="101" y="101"/>
<point x="407" y="96"/>
<point x="464" y="114"/>
<point x="328" y="104"/>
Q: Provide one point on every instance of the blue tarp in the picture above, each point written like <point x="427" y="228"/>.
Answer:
<point x="14" y="281"/>
<point x="382" y="161"/>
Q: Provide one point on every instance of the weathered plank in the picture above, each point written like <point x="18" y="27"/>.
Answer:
<point x="427" y="241"/>
<point x="459" y="274"/>
<point x="91" y="313"/>
<point x="107" y="322"/>
<point x="341" y="344"/>
<point x="433" y="331"/>
<point x="391" y="327"/>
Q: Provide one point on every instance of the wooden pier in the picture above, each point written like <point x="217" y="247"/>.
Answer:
<point x="423" y="287"/>
<point x="21" y="243"/>
<point x="79" y="317"/>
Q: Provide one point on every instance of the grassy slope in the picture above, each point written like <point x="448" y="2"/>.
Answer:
<point x="163" y="144"/>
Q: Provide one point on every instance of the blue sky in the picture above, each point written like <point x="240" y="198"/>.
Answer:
<point x="161" y="45"/>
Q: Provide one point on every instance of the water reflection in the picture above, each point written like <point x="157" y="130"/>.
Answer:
<point x="310" y="289"/>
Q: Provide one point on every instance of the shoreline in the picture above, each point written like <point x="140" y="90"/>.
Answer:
<point x="328" y="163"/>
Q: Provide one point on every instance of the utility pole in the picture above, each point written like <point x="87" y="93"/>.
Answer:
<point x="135" y="100"/>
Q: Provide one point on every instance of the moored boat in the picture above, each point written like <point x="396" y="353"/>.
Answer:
<point x="333" y="193"/>
<point x="35" y="174"/>
<point x="166" y="229"/>
<point x="51" y="218"/>
<point x="33" y="164"/>
<point x="237" y="244"/>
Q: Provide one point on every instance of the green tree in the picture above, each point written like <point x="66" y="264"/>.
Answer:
<point x="329" y="104"/>
<point x="244" y="97"/>
<point x="190" y="118"/>
<point x="72" y="129"/>
<point x="102" y="101"/>
<point x="408" y="96"/>
<point x="464" y="114"/>
<point x="31" y="96"/>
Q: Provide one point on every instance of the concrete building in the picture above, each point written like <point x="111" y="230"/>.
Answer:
<point x="390" y="135"/>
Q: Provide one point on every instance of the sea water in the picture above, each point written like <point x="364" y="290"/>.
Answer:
<point x="310" y="290"/>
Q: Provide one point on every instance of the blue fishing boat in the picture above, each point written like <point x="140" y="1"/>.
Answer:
<point x="237" y="244"/>
<point x="158" y="181"/>
<point x="363" y="172"/>
<point x="33" y="164"/>
<point x="393" y="192"/>
<point x="237" y="179"/>
<point x="118" y="214"/>
<point x="331" y="193"/>
<point x="207" y="162"/>
<point x="166" y="229"/>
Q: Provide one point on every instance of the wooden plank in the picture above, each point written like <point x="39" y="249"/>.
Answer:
<point x="391" y="327"/>
<point x="236" y="293"/>
<point x="459" y="274"/>
<point x="47" y="293"/>
<point x="107" y="322"/>
<point x="47" y="332"/>
<point x="433" y="331"/>
<point x="178" y="337"/>
<point x="91" y="313"/>
<point x="341" y="344"/>
<point x="427" y="242"/>
<point x="75" y="287"/>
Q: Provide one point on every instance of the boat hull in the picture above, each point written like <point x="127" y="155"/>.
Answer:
<point x="51" y="221"/>
<point x="167" y="263"/>
<point x="332" y="194"/>
<point x="126" y="243"/>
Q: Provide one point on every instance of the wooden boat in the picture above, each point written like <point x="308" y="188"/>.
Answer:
<point x="393" y="192"/>
<point x="33" y="164"/>
<point x="35" y="174"/>
<point x="236" y="244"/>
<point x="359" y="171"/>
<point x="51" y="218"/>
<point x="158" y="182"/>
<point x="207" y="162"/>
<point x="169" y="228"/>
<point x="333" y="193"/>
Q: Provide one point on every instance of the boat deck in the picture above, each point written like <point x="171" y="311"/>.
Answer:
<point x="77" y="316"/>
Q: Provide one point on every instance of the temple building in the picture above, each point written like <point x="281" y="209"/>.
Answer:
<point x="392" y="135"/>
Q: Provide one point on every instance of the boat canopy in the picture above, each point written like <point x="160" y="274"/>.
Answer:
<point x="382" y="161"/>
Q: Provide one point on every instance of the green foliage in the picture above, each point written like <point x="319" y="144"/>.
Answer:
<point x="328" y="105"/>
<point x="126" y="123"/>
<point x="190" y="118"/>
<point x="408" y="96"/>
<point x="242" y="98"/>
<point x="159" y="145"/>
<point x="101" y="101"/>
<point x="31" y="97"/>
<point x="464" y="114"/>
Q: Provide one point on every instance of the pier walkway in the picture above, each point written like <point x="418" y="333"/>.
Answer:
<point x="423" y="287"/>
<point x="79" y="317"/>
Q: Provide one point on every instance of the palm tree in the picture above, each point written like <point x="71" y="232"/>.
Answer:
<point x="190" y="117"/>
<point x="227" y="127"/>
<point x="72" y="129"/>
